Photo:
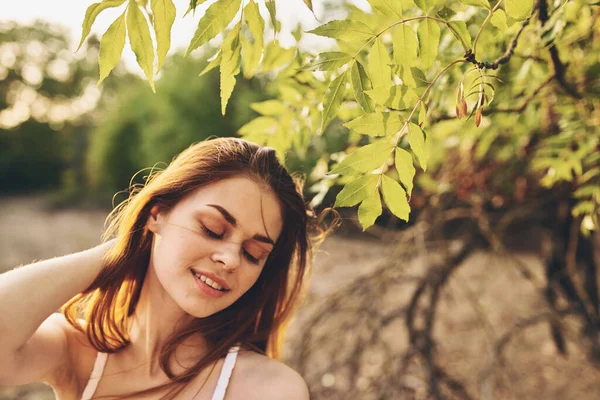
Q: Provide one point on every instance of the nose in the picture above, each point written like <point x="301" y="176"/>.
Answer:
<point x="227" y="254"/>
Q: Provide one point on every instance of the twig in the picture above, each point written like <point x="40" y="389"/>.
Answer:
<point x="470" y="55"/>
<point x="559" y="68"/>
<point x="524" y="103"/>
<point x="489" y="16"/>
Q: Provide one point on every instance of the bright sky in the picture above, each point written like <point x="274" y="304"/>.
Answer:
<point x="70" y="13"/>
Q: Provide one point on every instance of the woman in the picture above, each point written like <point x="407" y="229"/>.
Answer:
<point x="207" y="263"/>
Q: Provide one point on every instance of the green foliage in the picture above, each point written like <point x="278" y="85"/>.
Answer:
<point x="519" y="9"/>
<point x="428" y="33"/>
<point x="230" y="64"/>
<point x="90" y="16"/>
<point x="163" y="12"/>
<point x="111" y="47"/>
<point x="140" y="130"/>
<point x="252" y="51"/>
<point x="333" y="98"/>
<point x="140" y="41"/>
<point x="399" y="73"/>
<point x="215" y="20"/>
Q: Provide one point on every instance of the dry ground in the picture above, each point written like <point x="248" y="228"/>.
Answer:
<point x="481" y="302"/>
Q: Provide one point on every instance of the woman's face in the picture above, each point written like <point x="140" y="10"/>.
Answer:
<point x="211" y="247"/>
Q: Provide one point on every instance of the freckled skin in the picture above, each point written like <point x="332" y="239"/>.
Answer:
<point x="184" y="239"/>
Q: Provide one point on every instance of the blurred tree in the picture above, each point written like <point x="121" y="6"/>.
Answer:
<point x="48" y="104"/>
<point x="45" y="93"/>
<point x="138" y="130"/>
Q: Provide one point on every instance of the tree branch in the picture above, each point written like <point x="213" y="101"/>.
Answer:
<point x="559" y="68"/>
<point x="470" y="56"/>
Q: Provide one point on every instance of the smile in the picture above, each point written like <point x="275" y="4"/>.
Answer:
<point x="208" y="286"/>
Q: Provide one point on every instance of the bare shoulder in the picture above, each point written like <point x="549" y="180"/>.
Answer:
<point x="79" y="349"/>
<point x="259" y="377"/>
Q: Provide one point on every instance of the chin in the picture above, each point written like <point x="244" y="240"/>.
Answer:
<point x="201" y="311"/>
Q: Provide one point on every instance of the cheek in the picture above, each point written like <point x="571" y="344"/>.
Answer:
<point x="176" y="249"/>
<point x="248" y="278"/>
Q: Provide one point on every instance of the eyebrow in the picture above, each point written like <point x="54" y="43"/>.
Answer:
<point x="231" y="219"/>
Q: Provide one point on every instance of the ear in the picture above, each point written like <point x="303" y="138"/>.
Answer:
<point x="152" y="221"/>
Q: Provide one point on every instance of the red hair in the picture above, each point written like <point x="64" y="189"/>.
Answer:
<point x="259" y="317"/>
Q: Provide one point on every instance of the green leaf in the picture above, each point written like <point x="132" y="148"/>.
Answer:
<point x="261" y="125"/>
<point x="272" y="13"/>
<point x="192" y="6"/>
<point x="250" y="57"/>
<point x="499" y="20"/>
<point x="405" y="45"/>
<point x="418" y="77"/>
<point x="406" y="169"/>
<point x="379" y="65"/>
<point x="329" y="60"/>
<point x="395" y="198"/>
<point x="356" y="191"/>
<point x="255" y="22"/>
<point x="377" y="124"/>
<point x="277" y="56"/>
<point x="140" y="41"/>
<point x="397" y="96"/>
<point x="518" y="9"/>
<point x="230" y="64"/>
<point x="416" y="140"/>
<point x="111" y="47"/>
<point x="461" y="33"/>
<point x="269" y="107"/>
<point x="253" y="52"/>
<point x="163" y="12"/>
<point x="214" y="21"/>
<point x="388" y="7"/>
<point x="425" y="5"/>
<point x="429" y="41"/>
<point x="404" y="72"/>
<point x="369" y="209"/>
<point x="90" y="16"/>
<point x="309" y="5"/>
<point x="361" y="83"/>
<point x="333" y="98"/>
<point x="346" y="30"/>
<point x="477" y="3"/>
<point x="214" y="63"/>
<point x="422" y="114"/>
<point x="364" y="159"/>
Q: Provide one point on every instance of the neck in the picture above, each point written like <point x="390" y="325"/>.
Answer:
<point x="155" y="319"/>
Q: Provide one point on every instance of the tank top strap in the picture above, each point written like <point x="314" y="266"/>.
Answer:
<point x="226" y="370"/>
<point x="95" y="376"/>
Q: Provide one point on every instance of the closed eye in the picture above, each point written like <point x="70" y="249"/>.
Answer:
<point x="213" y="235"/>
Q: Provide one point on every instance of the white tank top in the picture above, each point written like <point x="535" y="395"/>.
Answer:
<point x="219" y="393"/>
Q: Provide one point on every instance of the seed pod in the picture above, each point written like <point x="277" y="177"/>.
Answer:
<point x="459" y="96"/>
<point x="463" y="104"/>
<point x="478" y="116"/>
<point x="481" y="98"/>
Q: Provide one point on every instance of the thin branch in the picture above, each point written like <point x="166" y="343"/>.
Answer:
<point x="560" y="69"/>
<point x="420" y="100"/>
<point x="524" y="103"/>
<point x="489" y="16"/>
<point x="470" y="55"/>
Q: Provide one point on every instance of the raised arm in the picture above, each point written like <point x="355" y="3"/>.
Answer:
<point x="33" y="342"/>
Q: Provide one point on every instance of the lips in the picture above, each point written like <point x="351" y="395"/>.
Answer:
<point x="213" y="277"/>
<point x="206" y="289"/>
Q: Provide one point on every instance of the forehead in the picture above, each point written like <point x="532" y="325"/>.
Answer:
<point x="254" y="207"/>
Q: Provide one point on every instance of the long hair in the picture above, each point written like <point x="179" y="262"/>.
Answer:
<point x="259" y="317"/>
